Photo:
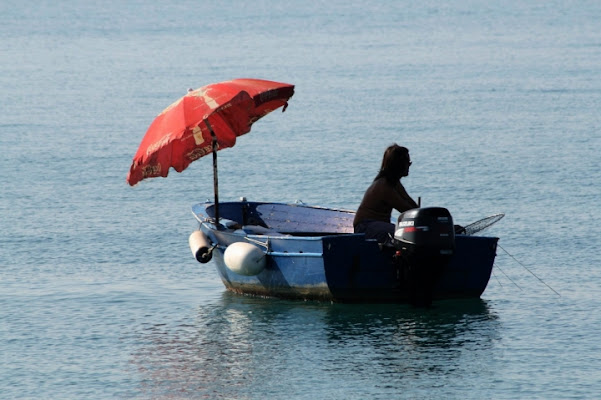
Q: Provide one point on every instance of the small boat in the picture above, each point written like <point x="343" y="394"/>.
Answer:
<point x="295" y="251"/>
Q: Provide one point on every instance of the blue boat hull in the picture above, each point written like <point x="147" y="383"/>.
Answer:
<point x="313" y="254"/>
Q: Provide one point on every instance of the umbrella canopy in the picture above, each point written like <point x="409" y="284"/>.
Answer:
<point x="203" y="121"/>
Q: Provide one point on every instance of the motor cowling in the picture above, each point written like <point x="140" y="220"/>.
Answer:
<point x="425" y="230"/>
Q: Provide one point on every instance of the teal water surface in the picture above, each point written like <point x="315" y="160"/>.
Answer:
<point x="498" y="104"/>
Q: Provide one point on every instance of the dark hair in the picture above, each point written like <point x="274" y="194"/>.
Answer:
<point x="392" y="163"/>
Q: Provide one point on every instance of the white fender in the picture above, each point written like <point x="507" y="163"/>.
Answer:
<point x="200" y="246"/>
<point x="244" y="259"/>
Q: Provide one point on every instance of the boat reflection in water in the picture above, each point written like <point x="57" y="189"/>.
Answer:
<point x="249" y="347"/>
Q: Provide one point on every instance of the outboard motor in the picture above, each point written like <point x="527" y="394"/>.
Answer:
<point x="425" y="238"/>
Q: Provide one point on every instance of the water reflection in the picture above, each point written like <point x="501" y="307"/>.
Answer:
<point x="245" y="347"/>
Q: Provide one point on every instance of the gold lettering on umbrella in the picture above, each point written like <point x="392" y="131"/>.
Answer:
<point x="204" y="95"/>
<point x="158" y="145"/>
<point x="198" y="152"/>
<point x="150" y="171"/>
<point x="197" y="133"/>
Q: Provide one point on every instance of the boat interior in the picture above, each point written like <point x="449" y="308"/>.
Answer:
<point x="287" y="219"/>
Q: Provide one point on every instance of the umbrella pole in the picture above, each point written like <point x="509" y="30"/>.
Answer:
<point x="215" y="179"/>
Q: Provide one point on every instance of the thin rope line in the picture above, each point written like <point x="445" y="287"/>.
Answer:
<point x="527" y="269"/>
<point x="507" y="276"/>
<point x="496" y="277"/>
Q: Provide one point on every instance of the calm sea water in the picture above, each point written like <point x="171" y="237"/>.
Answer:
<point x="99" y="294"/>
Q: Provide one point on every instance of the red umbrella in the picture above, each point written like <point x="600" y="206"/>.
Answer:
<point x="203" y="121"/>
<point x="185" y="130"/>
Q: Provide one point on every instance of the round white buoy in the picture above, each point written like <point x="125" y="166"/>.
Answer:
<point x="244" y="259"/>
<point x="200" y="245"/>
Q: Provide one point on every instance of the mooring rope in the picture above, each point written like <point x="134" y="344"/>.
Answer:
<point x="496" y="277"/>
<point x="507" y="276"/>
<point x="528" y="269"/>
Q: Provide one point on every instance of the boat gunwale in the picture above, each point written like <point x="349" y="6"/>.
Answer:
<point x="208" y="222"/>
